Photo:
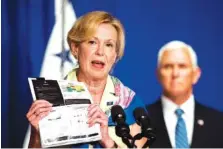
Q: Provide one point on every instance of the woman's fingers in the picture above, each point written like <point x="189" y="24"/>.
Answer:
<point x="38" y="110"/>
<point x="35" y="118"/>
<point x="95" y="111"/>
<point x="39" y="115"/>
<point x="101" y="121"/>
<point x="96" y="115"/>
<point x="92" y="109"/>
<point x="37" y="105"/>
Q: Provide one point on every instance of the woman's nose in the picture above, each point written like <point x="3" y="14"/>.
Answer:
<point x="100" y="50"/>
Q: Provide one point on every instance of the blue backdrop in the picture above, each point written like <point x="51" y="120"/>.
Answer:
<point x="27" y="26"/>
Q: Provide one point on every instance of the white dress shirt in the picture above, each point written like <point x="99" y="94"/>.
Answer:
<point x="170" y="117"/>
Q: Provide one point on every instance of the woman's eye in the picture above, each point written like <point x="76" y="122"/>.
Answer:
<point x="109" y="45"/>
<point x="92" y="42"/>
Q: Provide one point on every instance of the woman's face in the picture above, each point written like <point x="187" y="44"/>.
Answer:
<point x="97" y="55"/>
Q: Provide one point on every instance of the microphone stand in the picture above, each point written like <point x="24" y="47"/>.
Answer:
<point x="136" y="137"/>
<point x="127" y="142"/>
<point x="151" y="137"/>
<point x="122" y="130"/>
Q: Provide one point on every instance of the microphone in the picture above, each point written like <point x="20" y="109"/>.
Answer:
<point x="118" y="114"/>
<point x="143" y="120"/>
<point x="121" y="129"/>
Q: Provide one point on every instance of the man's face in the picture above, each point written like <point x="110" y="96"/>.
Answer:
<point x="176" y="73"/>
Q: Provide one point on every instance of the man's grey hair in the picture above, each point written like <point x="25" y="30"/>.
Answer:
<point x="175" y="45"/>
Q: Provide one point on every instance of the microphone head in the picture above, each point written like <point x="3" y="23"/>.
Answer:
<point x="142" y="119"/>
<point x="140" y="114"/>
<point x="117" y="113"/>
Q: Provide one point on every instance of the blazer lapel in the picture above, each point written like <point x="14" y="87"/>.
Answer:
<point x="198" y="127"/>
<point x="162" y="138"/>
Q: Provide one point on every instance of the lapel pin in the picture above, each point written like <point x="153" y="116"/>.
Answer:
<point x="200" y="122"/>
<point x="109" y="103"/>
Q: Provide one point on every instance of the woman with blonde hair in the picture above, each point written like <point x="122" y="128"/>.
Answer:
<point x="97" y="41"/>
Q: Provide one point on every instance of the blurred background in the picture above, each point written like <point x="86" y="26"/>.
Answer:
<point x="34" y="44"/>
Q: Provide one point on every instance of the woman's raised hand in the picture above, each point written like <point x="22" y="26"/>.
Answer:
<point x="38" y="110"/>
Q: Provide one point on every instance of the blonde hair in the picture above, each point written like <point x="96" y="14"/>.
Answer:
<point x="174" y="45"/>
<point x="85" y="27"/>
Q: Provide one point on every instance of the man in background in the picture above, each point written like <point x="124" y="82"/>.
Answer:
<point x="180" y="121"/>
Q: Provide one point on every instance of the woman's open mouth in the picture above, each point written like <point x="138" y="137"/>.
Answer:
<point x="98" y="64"/>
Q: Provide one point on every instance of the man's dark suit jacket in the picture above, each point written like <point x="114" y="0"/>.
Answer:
<point x="208" y="135"/>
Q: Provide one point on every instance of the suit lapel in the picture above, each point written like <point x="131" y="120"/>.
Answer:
<point x="158" y="122"/>
<point x="198" y="127"/>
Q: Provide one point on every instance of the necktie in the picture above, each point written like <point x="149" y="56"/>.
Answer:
<point x="181" y="132"/>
